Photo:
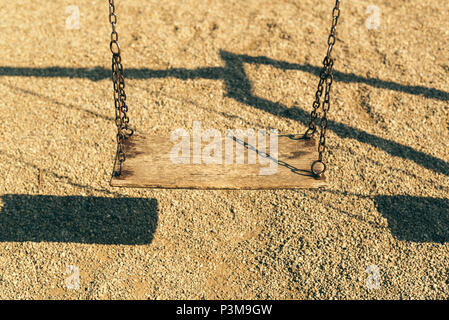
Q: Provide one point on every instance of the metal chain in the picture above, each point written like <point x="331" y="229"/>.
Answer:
<point x="325" y="83"/>
<point x="118" y="80"/>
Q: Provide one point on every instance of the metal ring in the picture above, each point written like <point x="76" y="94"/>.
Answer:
<point x="112" y="15"/>
<point x="114" y="36"/>
<point x="115" y="52"/>
<point x="318" y="173"/>
<point x="310" y="131"/>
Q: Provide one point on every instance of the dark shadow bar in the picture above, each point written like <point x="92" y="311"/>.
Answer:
<point x="90" y="220"/>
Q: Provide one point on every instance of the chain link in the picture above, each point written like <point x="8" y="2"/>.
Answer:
<point x="118" y="80"/>
<point x="325" y="83"/>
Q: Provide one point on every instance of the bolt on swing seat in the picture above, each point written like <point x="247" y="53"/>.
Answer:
<point x="148" y="161"/>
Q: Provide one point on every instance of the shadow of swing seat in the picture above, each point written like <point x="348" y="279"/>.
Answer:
<point x="78" y="219"/>
<point x="416" y="219"/>
<point x="149" y="164"/>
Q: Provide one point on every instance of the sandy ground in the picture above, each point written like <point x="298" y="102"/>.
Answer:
<point x="230" y="64"/>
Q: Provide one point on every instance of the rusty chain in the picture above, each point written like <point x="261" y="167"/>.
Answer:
<point x="325" y="83"/>
<point x="118" y="80"/>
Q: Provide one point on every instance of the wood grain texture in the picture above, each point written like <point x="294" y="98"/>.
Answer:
<point x="148" y="164"/>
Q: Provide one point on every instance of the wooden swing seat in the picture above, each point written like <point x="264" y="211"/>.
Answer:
<point x="148" y="164"/>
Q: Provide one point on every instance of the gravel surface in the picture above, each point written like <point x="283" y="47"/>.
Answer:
<point x="379" y="231"/>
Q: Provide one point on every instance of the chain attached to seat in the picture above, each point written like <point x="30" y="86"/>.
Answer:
<point x="325" y="83"/>
<point x="118" y="80"/>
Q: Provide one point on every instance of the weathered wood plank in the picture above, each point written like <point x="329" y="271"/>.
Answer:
<point x="148" y="164"/>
